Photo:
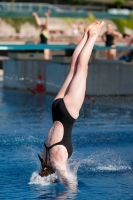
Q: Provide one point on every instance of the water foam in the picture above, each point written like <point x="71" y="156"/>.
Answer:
<point x="28" y="80"/>
<point x="113" y="168"/>
<point x="105" y="162"/>
<point x="72" y="179"/>
<point x="43" y="181"/>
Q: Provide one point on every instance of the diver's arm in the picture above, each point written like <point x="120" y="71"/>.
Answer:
<point x="117" y="34"/>
<point x="38" y="21"/>
<point x="47" y="14"/>
<point x="59" y="157"/>
<point x="64" y="175"/>
<point x="130" y="42"/>
<point x="103" y="37"/>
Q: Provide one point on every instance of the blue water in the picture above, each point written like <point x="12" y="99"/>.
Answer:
<point x="103" y="149"/>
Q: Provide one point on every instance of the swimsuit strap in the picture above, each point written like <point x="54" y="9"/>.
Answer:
<point x="47" y="151"/>
<point x="47" y="154"/>
<point x="45" y="34"/>
<point x="48" y="148"/>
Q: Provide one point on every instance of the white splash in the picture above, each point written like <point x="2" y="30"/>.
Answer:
<point x="107" y="161"/>
<point x="72" y="168"/>
<point x="43" y="181"/>
<point x="113" y="168"/>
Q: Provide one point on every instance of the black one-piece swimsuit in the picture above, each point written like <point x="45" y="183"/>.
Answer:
<point x="61" y="114"/>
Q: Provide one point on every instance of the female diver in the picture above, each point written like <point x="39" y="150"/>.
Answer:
<point x="108" y="37"/>
<point x="65" y="109"/>
<point x="44" y="34"/>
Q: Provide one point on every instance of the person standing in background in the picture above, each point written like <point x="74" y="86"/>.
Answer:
<point x="75" y="31"/>
<point x="128" y="55"/>
<point x="108" y="37"/>
<point x="81" y="28"/>
<point x="44" y="34"/>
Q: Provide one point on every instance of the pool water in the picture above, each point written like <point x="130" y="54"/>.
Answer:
<point x="103" y="149"/>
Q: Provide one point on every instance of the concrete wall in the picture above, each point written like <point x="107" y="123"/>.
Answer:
<point x="109" y="77"/>
<point x="55" y="76"/>
<point x="105" y="77"/>
<point x="22" y="74"/>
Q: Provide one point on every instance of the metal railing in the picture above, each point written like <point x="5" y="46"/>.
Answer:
<point x="29" y="7"/>
<point x="25" y="10"/>
<point x="43" y="7"/>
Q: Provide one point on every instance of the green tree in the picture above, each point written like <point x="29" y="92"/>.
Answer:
<point x="119" y="3"/>
<point x="12" y="4"/>
<point x="78" y="1"/>
<point x="74" y="1"/>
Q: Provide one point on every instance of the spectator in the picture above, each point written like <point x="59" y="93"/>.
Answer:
<point x="75" y="29"/>
<point x="108" y="37"/>
<point x="128" y="55"/>
<point x="44" y="35"/>
<point x="126" y="37"/>
<point x="81" y="28"/>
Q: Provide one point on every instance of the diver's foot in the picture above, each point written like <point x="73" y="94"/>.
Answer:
<point x="95" y="28"/>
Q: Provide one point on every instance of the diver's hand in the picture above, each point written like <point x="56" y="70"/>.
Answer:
<point x="47" y="14"/>
<point x="73" y="186"/>
<point x="34" y="14"/>
<point x="67" y="181"/>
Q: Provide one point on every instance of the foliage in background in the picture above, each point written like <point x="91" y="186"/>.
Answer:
<point x="91" y="18"/>
<point x="18" y="22"/>
<point x="119" y="3"/>
<point x="78" y="2"/>
<point x="121" y="23"/>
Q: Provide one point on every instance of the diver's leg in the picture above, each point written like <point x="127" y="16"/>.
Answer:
<point x="46" y="54"/>
<point x="113" y="53"/>
<point x="75" y="55"/>
<point x="107" y="54"/>
<point x="75" y="95"/>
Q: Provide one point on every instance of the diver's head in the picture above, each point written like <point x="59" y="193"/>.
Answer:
<point x="46" y="169"/>
<point x="126" y="36"/>
<point x="109" y="27"/>
<point x="43" y="27"/>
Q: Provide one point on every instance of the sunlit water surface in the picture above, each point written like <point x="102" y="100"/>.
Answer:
<point x="102" y="160"/>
